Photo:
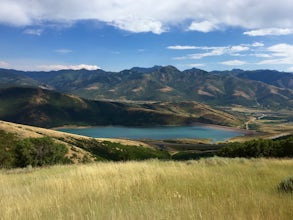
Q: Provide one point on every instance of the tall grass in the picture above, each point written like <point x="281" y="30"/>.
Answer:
<point x="213" y="188"/>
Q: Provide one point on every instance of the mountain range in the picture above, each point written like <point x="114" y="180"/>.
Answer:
<point x="259" y="88"/>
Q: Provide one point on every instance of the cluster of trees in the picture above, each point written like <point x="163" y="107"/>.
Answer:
<point x="30" y="151"/>
<point x="259" y="148"/>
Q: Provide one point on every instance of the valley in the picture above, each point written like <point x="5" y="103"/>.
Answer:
<point x="150" y="97"/>
<point x="146" y="110"/>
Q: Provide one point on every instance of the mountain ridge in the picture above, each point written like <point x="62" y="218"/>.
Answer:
<point x="260" y="88"/>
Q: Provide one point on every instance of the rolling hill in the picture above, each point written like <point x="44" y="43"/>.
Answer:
<point x="47" y="108"/>
<point x="262" y="88"/>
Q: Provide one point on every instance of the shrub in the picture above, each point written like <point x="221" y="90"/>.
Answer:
<point x="259" y="148"/>
<point x="7" y="143"/>
<point x="286" y="185"/>
<point x="39" y="152"/>
<point x="118" y="152"/>
<point x="185" y="155"/>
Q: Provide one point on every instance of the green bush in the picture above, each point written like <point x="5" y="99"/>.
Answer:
<point x="107" y="150"/>
<point x="7" y="143"/>
<point x="286" y="185"/>
<point x="185" y="155"/>
<point x="39" y="152"/>
<point x="259" y="148"/>
<point x="30" y="151"/>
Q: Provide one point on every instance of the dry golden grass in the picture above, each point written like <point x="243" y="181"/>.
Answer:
<point x="214" y="188"/>
<point x="25" y="131"/>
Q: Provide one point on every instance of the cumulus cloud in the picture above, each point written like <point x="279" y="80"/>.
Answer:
<point x="137" y="25"/>
<point x="204" y="26"/>
<point x="64" y="67"/>
<point x="280" y="53"/>
<point x="152" y="15"/>
<point x="269" y="31"/>
<point x="233" y="63"/>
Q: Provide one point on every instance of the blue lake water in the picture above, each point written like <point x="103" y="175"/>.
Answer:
<point x="155" y="133"/>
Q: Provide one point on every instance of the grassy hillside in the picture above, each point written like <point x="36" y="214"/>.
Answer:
<point x="46" y="108"/>
<point x="213" y="188"/>
<point x="80" y="149"/>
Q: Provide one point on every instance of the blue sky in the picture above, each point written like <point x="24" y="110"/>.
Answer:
<point x="120" y="34"/>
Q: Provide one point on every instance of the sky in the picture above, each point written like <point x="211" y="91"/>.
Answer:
<point x="120" y="34"/>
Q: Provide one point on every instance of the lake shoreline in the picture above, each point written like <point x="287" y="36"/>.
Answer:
<point x="192" y="131"/>
<point x="227" y="128"/>
<point x="221" y="127"/>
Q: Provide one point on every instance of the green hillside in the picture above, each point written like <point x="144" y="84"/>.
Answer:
<point x="46" y="108"/>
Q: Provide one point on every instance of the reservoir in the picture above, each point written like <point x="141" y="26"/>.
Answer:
<point x="156" y="133"/>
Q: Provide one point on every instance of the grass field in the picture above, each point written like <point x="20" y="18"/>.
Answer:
<point x="213" y="188"/>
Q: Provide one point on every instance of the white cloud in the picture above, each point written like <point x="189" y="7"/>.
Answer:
<point x="282" y="50"/>
<point x="261" y="55"/>
<point x="235" y="50"/>
<point x="269" y="31"/>
<point x="182" y="47"/>
<point x="281" y="53"/>
<point x="195" y="65"/>
<point x="63" y="67"/>
<point x="63" y="51"/>
<point x="214" y="52"/>
<point x="204" y="26"/>
<point x="233" y="63"/>
<point x="238" y="48"/>
<point x="153" y="15"/>
<point x="36" y="32"/>
<point x="257" y="44"/>
<point x="137" y="25"/>
<point x="4" y="64"/>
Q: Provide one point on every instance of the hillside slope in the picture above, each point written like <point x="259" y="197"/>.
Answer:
<point x="82" y="149"/>
<point x="46" y="108"/>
